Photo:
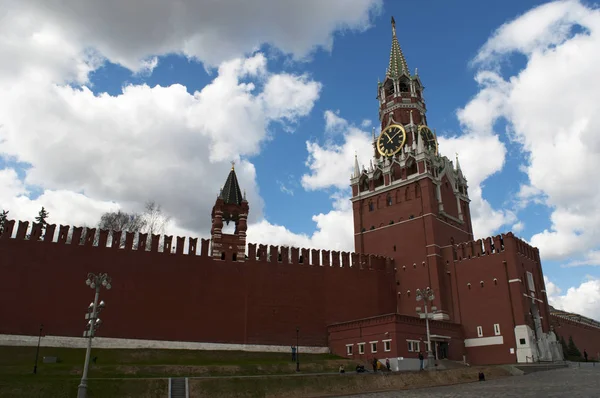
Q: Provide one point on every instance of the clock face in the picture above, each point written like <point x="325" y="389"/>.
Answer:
<point x="429" y="139"/>
<point x="391" y="140"/>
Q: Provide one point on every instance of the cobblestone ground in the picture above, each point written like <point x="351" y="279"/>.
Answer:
<point x="570" y="382"/>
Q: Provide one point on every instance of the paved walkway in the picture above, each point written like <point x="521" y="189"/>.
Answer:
<point x="570" y="382"/>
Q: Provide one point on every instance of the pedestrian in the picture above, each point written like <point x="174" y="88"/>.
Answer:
<point x="387" y="364"/>
<point x="585" y="355"/>
<point x="293" y="354"/>
<point x="342" y="370"/>
<point x="375" y="365"/>
<point x="420" y="360"/>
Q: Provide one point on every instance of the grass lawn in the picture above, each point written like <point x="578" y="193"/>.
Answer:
<point x="61" y="379"/>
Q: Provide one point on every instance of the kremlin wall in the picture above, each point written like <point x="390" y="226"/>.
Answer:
<point x="412" y="230"/>
<point x="186" y="296"/>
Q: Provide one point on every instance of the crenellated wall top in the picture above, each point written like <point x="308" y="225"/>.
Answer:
<point x="494" y="245"/>
<point x="167" y="244"/>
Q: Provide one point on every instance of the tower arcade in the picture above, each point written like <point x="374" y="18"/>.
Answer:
<point x="410" y="201"/>
<point x="230" y="206"/>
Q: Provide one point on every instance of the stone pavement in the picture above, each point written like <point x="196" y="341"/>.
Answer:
<point x="572" y="382"/>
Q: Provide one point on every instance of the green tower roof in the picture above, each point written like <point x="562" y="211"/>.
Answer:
<point x="398" y="65"/>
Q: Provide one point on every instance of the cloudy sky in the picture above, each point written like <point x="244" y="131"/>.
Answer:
<point x="105" y="105"/>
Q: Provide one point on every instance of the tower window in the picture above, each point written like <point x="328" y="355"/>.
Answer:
<point x="371" y="206"/>
<point x="389" y="88"/>
<point x="389" y="200"/>
<point x="223" y="256"/>
<point x="404" y="87"/>
<point x="234" y="257"/>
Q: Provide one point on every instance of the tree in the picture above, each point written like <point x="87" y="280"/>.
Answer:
<point x="152" y="221"/>
<point x="3" y="219"/>
<point x="42" y="217"/>
<point x="572" y="350"/>
<point x="155" y="221"/>
<point x="564" y="346"/>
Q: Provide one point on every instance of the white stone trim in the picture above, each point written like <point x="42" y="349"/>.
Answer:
<point x="349" y="349"/>
<point x="413" y="219"/>
<point x="361" y="348"/>
<point x="533" y="298"/>
<point x="109" y="342"/>
<point x="514" y="280"/>
<point x="484" y="341"/>
<point x="439" y="336"/>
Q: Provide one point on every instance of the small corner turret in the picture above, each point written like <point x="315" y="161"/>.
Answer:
<point x="230" y="206"/>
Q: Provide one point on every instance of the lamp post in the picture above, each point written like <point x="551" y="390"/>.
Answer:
<point x="37" y="352"/>
<point x="427" y="296"/>
<point x="94" y="309"/>
<point x="297" y="351"/>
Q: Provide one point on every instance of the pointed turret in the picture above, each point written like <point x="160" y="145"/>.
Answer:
<point x="398" y="65"/>
<point x="231" y="193"/>
<point x="356" y="166"/>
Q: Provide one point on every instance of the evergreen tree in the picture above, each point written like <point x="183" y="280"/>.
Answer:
<point x="3" y="219"/>
<point x="42" y="217"/>
<point x="564" y="346"/>
<point x="572" y="350"/>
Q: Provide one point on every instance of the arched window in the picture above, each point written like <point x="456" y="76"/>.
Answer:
<point x="371" y="206"/>
<point x="389" y="88"/>
<point x="404" y="88"/>
<point x="389" y="200"/>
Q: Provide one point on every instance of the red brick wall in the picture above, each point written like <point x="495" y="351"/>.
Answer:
<point x="170" y="296"/>
<point x="585" y="337"/>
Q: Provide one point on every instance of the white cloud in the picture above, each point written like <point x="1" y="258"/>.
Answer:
<point x="129" y="32"/>
<point x="289" y="97"/>
<point x="332" y="163"/>
<point x="480" y="156"/>
<point x="93" y="153"/>
<point x="80" y="210"/>
<point x="156" y="143"/>
<point x="334" y="123"/>
<point x="555" y="120"/>
<point x="366" y="123"/>
<point x="591" y="258"/>
<point x="583" y="299"/>
<point x="335" y="230"/>
<point x="518" y="227"/>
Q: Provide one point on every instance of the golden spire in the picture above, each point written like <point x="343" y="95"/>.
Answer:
<point x="233" y="165"/>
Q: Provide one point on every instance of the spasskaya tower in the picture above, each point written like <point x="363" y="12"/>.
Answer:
<point x="409" y="201"/>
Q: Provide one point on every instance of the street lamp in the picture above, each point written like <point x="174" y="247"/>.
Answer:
<point x="297" y="351"/>
<point x="94" y="309"/>
<point x="37" y="352"/>
<point x="427" y="296"/>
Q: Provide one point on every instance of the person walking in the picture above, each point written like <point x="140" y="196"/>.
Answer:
<point x="387" y="364"/>
<point x="585" y="355"/>
<point x="420" y="360"/>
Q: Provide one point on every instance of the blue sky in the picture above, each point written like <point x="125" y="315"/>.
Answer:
<point x="338" y="70"/>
